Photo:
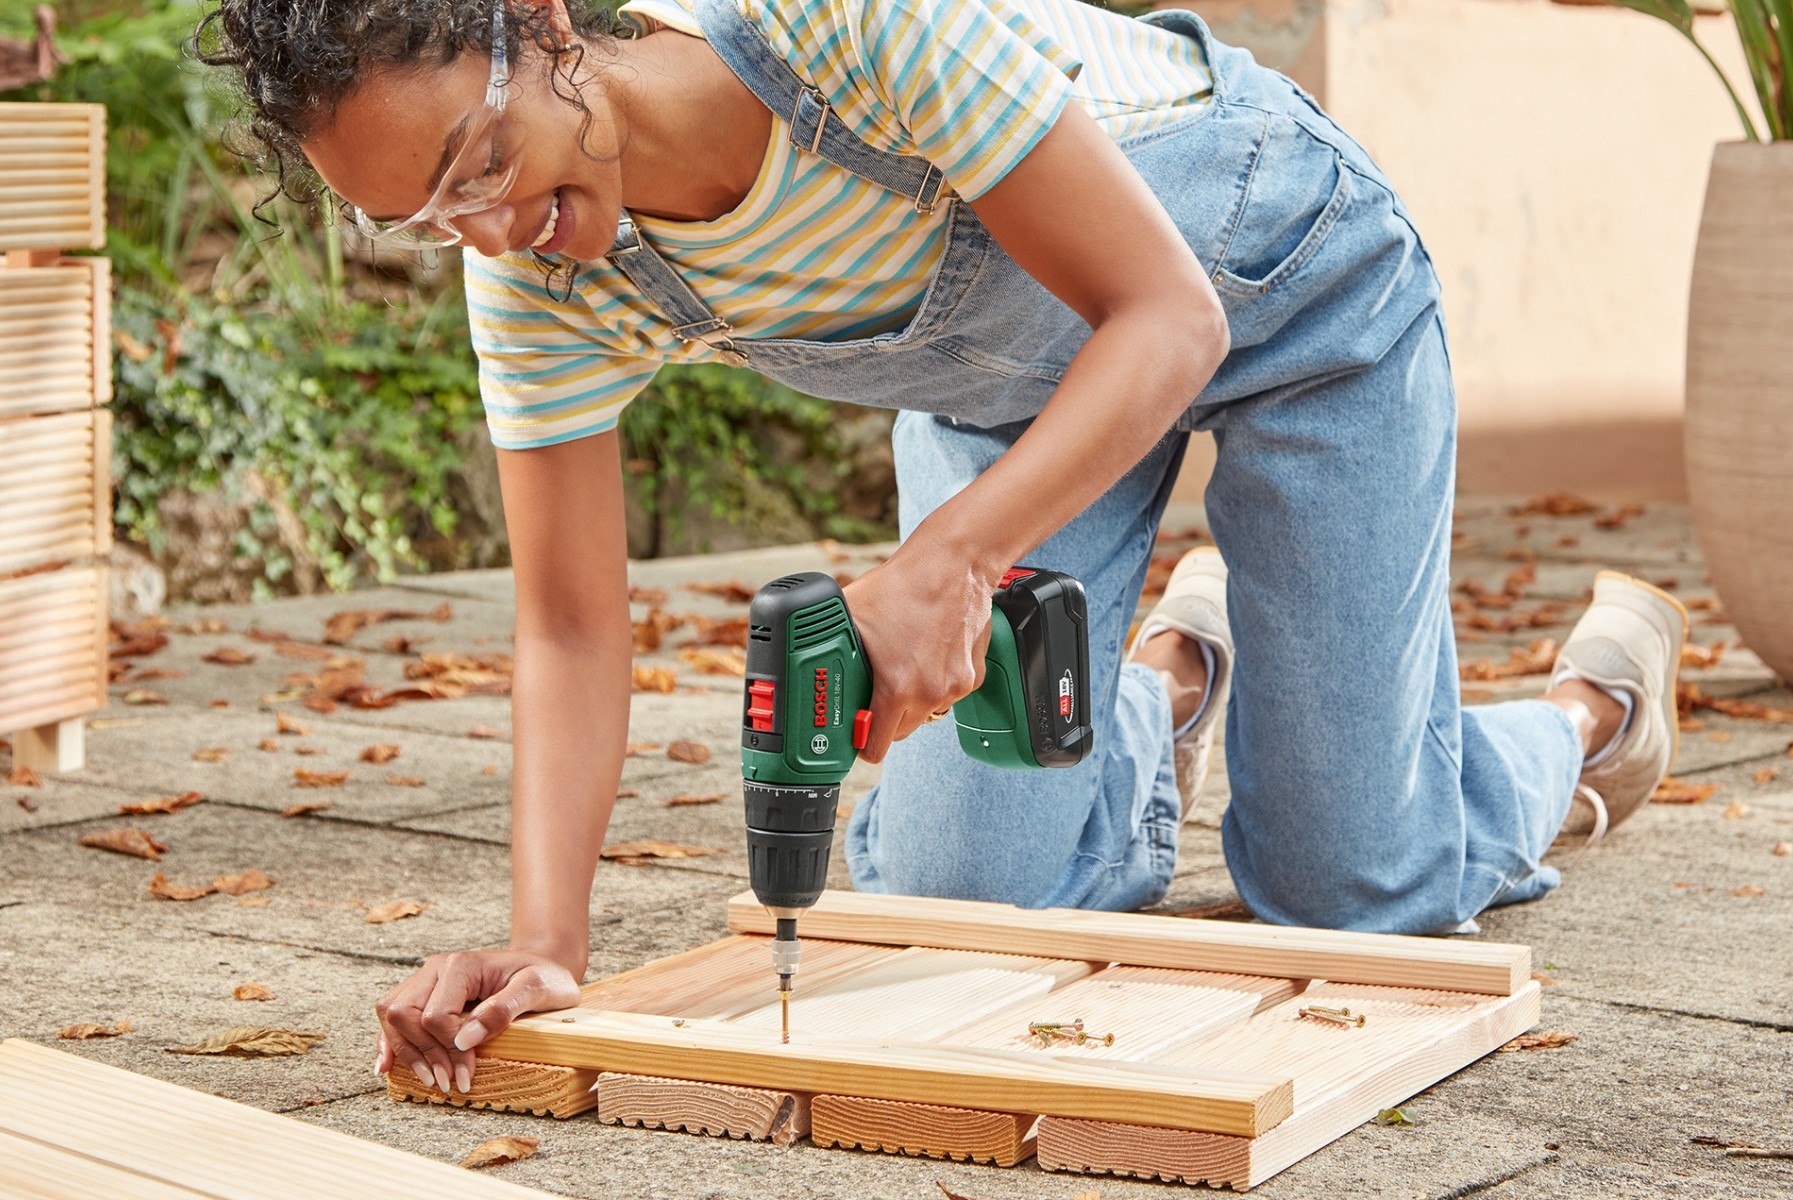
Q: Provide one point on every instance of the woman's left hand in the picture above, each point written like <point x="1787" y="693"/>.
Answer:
<point x="925" y="631"/>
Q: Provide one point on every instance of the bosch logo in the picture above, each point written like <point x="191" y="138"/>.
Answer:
<point x="821" y="698"/>
<point x="1065" y="689"/>
<point x="819" y="744"/>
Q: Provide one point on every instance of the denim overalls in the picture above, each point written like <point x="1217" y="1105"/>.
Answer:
<point x="1363" y="796"/>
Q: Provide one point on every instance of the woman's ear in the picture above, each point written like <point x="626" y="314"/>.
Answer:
<point x="560" y="22"/>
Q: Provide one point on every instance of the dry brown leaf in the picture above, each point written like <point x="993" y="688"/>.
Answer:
<point x="1543" y="979"/>
<point x="134" y="842"/>
<point x="308" y="806"/>
<point x="144" y="696"/>
<point x="82" y="1033"/>
<point x="622" y="794"/>
<point x="166" y="804"/>
<point x="1535" y="659"/>
<point x="256" y="633"/>
<point x="211" y="754"/>
<point x="500" y="1150"/>
<point x="381" y="752"/>
<point x="303" y="651"/>
<point x="1090" y="1195"/>
<point x="229" y="656"/>
<point x="1703" y="656"/>
<point x="1719" y="735"/>
<point x="1617" y="518"/>
<point x="1749" y="889"/>
<point x="160" y="887"/>
<point x="730" y="631"/>
<point x="952" y="1195"/>
<point x="1783" y="848"/>
<point x="647" y="595"/>
<point x="394" y="910"/>
<point x="687" y="801"/>
<point x="152" y="673"/>
<point x="306" y="751"/>
<point x="252" y="991"/>
<point x="342" y="626"/>
<point x="1735" y="810"/>
<point x="631" y="749"/>
<point x="400" y="643"/>
<point x="709" y="660"/>
<point x="397" y="780"/>
<point x="283" y="723"/>
<point x="252" y="1041"/>
<point x="483" y="733"/>
<point x="489" y="769"/>
<point x="1766" y="776"/>
<point x="252" y="880"/>
<point x="23" y="776"/>
<point x="653" y="848"/>
<point x="1678" y="791"/>
<point x="268" y="744"/>
<point x="1556" y="504"/>
<point x="651" y="629"/>
<point x="1749" y="710"/>
<point x="135" y="640"/>
<point x="732" y="590"/>
<point x="27" y="803"/>
<point x="688" y="752"/>
<point x="1540" y="1041"/>
<point x="654" y="679"/>
<point x="318" y="779"/>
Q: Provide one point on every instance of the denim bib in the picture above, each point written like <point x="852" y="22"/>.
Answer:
<point x="1314" y="258"/>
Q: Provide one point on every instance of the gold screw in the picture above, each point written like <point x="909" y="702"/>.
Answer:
<point x="1338" y="1016"/>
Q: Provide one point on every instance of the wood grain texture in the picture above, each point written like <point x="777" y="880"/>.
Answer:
<point x="1139" y="940"/>
<point x="49" y="356"/>
<point x="715" y="1109"/>
<point x="724" y="979"/>
<point x="48" y="489"/>
<point x="1343" y="1076"/>
<point x="506" y="1085"/>
<point x="59" y="151"/>
<point x="56" y="748"/>
<point x="990" y="1079"/>
<point x="48" y="677"/>
<point x="925" y="1130"/>
<point x="35" y="1171"/>
<point x="181" y="1139"/>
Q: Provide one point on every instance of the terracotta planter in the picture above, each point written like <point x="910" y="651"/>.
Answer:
<point x="1740" y="393"/>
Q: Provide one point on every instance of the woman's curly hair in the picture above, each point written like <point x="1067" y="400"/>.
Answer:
<point x="297" y="59"/>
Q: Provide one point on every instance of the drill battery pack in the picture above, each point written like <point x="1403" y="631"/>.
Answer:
<point x="1032" y="709"/>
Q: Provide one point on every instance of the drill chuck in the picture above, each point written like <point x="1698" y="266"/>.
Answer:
<point x="790" y="830"/>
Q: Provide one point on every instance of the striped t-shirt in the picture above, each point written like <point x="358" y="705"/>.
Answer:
<point x="814" y="251"/>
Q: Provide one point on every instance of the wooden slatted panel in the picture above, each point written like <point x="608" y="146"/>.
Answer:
<point x="724" y="979"/>
<point x="36" y="1171"/>
<point x="47" y="489"/>
<point x="50" y="677"/>
<point x="215" y="1148"/>
<point x="47" y="345"/>
<point x="52" y="176"/>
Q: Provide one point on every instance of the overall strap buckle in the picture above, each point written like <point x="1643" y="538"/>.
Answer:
<point x="819" y="106"/>
<point x="928" y="194"/>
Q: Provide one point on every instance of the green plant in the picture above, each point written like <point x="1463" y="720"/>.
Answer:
<point x="1765" y="27"/>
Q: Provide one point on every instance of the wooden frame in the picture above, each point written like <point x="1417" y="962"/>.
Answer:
<point x="52" y="176"/>
<point x="912" y="1033"/>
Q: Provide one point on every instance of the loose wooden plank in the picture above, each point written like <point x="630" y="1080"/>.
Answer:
<point x="34" y="1171"/>
<point x="221" y="1149"/>
<point x="634" y="1044"/>
<point x="715" y="1109"/>
<point x="506" y="1085"/>
<point x="1002" y="1139"/>
<point x="1343" y="1076"/>
<point x="1140" y="940"/>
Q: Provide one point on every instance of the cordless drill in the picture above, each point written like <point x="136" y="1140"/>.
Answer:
<point x="805" y="719"/>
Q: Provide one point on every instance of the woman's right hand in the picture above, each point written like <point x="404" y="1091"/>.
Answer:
<point x="432" y="1021"/>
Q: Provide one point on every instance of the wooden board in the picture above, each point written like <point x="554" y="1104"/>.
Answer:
<point x="51" y="507"/>
<point x="1456" y="964"/>
<point x="1002" y="1139"/>
<point x="52" y="176"/>
<point x="95" y="1131"/>
<point x="714" y="1109"/>
<point x="506" y="1085"/>
<point x="53" y="351"/>
<point x="52" y="647"/>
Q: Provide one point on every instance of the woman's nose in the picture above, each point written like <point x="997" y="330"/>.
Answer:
<point x="488" y="231"/>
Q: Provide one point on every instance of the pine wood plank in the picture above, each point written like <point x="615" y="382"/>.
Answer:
<point x="1002" y="1139"/>
<point x="35" y="1171"/>
<point x="507" y="1085"/>
<point x="44" y="682"/>
<point x="714" y="1109"/>
<point x="724" y="978"/>
<point x="1139" y="940"/>
<point x="631" y="1043"/>
<point x="57" y="748"/>
<point x="221" y="1149"/>
<point x="63" y="147"/>
<point x="1343" y="1076"/>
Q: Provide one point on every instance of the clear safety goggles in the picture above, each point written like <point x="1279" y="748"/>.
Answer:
<point x="479" y="177"/>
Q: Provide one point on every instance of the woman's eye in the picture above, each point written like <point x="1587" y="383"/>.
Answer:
<point x="495" y="163"/>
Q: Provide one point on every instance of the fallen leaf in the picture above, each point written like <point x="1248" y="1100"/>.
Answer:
<point x="283" y="723"/>
<point x="1087" y="1196"/>
<point x="252" y="1041"/>
<point x="1719" y="735"/>
<point x="135" y="640"/>
<point x="1782" y="849"/>
<point x="622" y="794"/>
<point x="268" y="744"/>
<point x="489" y="769"/>
<point x="1555" y="504"/>
<point x="152" y="673"/>
<point x="715" y="661"/>
<point x="306" y="751"/>
<point x="1702" y="656"/>
<point x="398" y="780"/>
<point x="303" y="651"/>
<point x="732" y="590"/>
<point x="1535" y="659"/>
<point x="342" y="626"/>
<point x="1766" y="776"/>
<point x="631" y="749"/>
<point x="688" y="752"/>
<point x="204" y="625"/>
<point x="952" y="1195"/>
<point x="731" y="631"/>
<point x="23" y="776"/>
<point x="1735" y="810"/>
<point x="382" y="752"/>
<point x="1749" y="710"/>
<point x="394" y="910"/>
<point x="1543" y="979"/>
<point x="654" y="679"/>
<point x="252" y="991"/>
<point x="1677" y="791"/>
<point x="1395" y="1116"/>
<point x="309" y="806"/>
<point x="144" y="696"/>
<point x="647" y="595"/>
<point x="82" y="1033"/>
<point x="211" y="754"/>
<point x="127" y="841"/>
<point x="483" y="732"/>
<point x="1749" y="889"/>
<point x="160" y="887"/>
<point x="400" y="643"/>
<point x="500" y="1150"/>
<point x="653" y="848"/>
<point x="258" y="634"/>
<point x="27" y="803"/>
<point x="229" y="656"/>
<point x="1617" y="518"/>
<point x="1540" y="1041"/>
<point x="686" y="801"/>
<point x="651" y="629"/>
<point x="167" y="804"/>
<point x="318" y="779"/>
<point x="252" y="880"/>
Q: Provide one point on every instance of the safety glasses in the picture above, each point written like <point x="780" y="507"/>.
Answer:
<point x="478" y="178"/>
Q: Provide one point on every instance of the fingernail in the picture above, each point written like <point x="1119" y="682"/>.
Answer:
<point x="421" y="1069"/>
<point x="471" y="1035"/>
<point x="442" y="1080"/>
<point x="463" y="1080"/>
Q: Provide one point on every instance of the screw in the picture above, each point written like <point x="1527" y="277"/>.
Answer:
<point x="1338" y="1016"/>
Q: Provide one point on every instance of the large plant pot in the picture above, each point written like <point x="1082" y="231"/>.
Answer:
<point x="1740" y="393"/>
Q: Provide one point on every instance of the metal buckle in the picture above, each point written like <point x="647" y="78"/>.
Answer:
<point x="633" y="247"/>
<point x="821" y="102"/>
<point x="725" y="347"/>
<point x="931" y="175"/>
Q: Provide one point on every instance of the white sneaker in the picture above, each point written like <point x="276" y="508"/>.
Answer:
<point x="1628" y="641"/>
<point x="1194" y="605"/>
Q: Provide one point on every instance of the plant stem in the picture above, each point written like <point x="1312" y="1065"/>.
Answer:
<point x="1749" y="126"/>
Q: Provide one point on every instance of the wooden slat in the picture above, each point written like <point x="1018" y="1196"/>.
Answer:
<point x="1139" y="940"/>
<point x="220" y="1149"/>
<point x="1343" y="1076"/>
<point x="43" y="681"/>
<point x="712" y="1109"/>
<point x="1001" y="1139"/>
<point x="633" y="1044"/>
<point x="35" y="1171"/>
<point x="724" y="979"/>
<point x="63" y="148"/>
<point x="53" y="337"/>
<point x="504" y="1084"/>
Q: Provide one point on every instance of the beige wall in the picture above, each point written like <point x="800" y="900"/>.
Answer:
<point x="1554" y="157"/>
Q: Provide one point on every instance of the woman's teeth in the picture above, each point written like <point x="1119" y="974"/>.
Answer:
<point x="553" y="220"/>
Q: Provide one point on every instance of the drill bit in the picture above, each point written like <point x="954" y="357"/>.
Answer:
<point x="784" y="1016"/>
<point x="785" y="954"/>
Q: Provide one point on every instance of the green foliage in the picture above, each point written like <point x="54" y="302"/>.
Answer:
<point x="1765" y="27"/>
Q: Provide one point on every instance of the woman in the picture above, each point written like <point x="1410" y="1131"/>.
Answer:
<point x="1059" y="240"/>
